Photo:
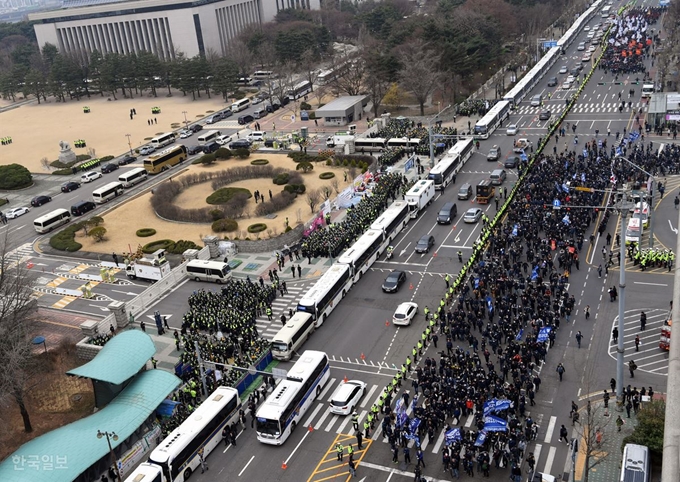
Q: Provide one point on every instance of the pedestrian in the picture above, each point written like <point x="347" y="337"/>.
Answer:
<point x="564" y="434"/>
<point x="360" y="439"/>
<point x="643" y="321"/>
<point x="407" y="455"/>
<point x="676" y="202"/>
<point x="619" y="423"/>
<point x="201" y="458"/>
<point x="587" y="312"/>
<point x="115" y="259"/>
<point x="637" y="342"/>
<point x="629" y="405"/>
<point x="578" y="338"/>
<point x="154" y="362"/>
<point x="560" y="370"/>
<point x="599" y="271"/>
<point x="352" y="468"/>
<point x="420" y="456"/>
<point x="615" y="335"/>
<point x="631" y="368"/>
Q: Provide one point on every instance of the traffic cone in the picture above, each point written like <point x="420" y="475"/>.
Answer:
<point x="387" y="323"/>
<point x="344" y="380"/>
<point x="310" y="428"/>
<point x="30" y="265"/>
<point x="363" y="357"/>
<point x="284" y="466"/>
<point x="410" y="286"/>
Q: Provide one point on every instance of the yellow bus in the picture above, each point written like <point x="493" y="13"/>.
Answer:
<point x="165" y="159"/>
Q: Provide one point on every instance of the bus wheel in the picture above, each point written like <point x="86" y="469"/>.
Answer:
<point x="361" y="273"/>
<point x="218" y="281"/>
<point x="197" y="278"/>
<point x="343" y="293"/>
<point x="318" y="390"/>
<point x="292" y="427"/>
<point x="187" y="474"/>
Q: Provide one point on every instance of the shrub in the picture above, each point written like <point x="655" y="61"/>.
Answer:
<point x="98" y="233"/>
<point x="62" y="165"/>
<point x="329" y="162"/>
<point x="312" y="115"/>
<point x="224" y="226"/>
<point x="106" y="158"/>
<point x="181" y="246"/>
<point x="281" y="179"/>
<point x="195" y="161"/>
<point x="225" y="194"/>
<point x="146" y="232"/>
<point x="65" y="240"/>
<point x="257" y="228"/>
<point x="242" y="153"/>
<point x="259" y="162"/>
<point x="14" y="176"/>
<point x="223" y="153"/>
<point x="216" y="214"/>
<point x="207" y="159"/>
<point x="305" y="106"/>
<point x="156" y="245"/>
<point x="327" y="175"/>
<point x="304" y="166"/>
<point x="278" y="202"/>
<point x="95" y="221"/>
<point x="288" y="228"/>
<point x="295" y="188"/>
<point x="63" y="172"/>
<point x="83" y="157"/>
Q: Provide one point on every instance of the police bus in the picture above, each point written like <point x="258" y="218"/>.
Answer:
<point x="376" y="144"/>
<point x="52" y="220"/>
<point x="326" y="293"/>
<point x="362" y="254"/>
<point x="132" y="177"/>
<point x="107" y="191"/>
<point x="177" y="457"/>
<point x="291" y="337"/>
<point x="451" y="163"/>
<point x="281" y="412"/>
<point x="393" y="220"/>
<point x="487" y="124"/>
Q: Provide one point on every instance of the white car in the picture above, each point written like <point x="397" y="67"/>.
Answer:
<point x="404" y="313"/>
<point x="16" y="212"/>
<point x="472" y="215"/>
<point x="347" y="396"/>
<point x="586" y="28"/>
<point x="570" y="79"/>
<point x="563" y="69"/>
<point x="581" y="46"/>
<point x="511" y="130"/>
<point x="592" y="49"/>
<point x="222" y="140"/>
<point x="186" y="133"/>
<point x="566" y="85"/>
<point x="146" y="150"/>
<point x="90" y="176"/>
<point x="585" y="58"/>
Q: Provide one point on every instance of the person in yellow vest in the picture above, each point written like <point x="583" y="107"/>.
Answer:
<point x="340" y="450"/>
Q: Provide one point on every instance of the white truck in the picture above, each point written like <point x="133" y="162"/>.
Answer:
<point x="153" y="268"/>
<point x="420" y="196"/>
<point x="339" y="139"/>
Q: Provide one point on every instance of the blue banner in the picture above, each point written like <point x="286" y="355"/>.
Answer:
<point x="481" y="438"/>
<point x="399" y="407"/>
<point x="414" y="403"/>
<point x="402" y="419"/>
<point x="495" y="424"/>
<point x="534" y="273"/>
<point x="413" y="426"/>
<point x="515" y="230"/>
<point x="583" y="177"/>
<point x="543" y="334"/>
<point x="565" y="188"/>
<point x="566" y="220"/>
<point x="519" y="335"/>
<point x="452" y="435"/>
<point x="619" y="152"/>
<point x="503" y="404"/>
<point x="489" y="406"/>
<point x="523" y="156"/>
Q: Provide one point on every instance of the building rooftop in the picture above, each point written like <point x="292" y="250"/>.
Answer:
<point x="120" y="359"/>
<point x="65" y="453"/>
<point x="341" y="103"/>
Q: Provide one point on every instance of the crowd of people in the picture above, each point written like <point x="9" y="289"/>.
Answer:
<point x="336" y="237"/>
<point x="471" y="107"/>
<point x="400" y="128"/>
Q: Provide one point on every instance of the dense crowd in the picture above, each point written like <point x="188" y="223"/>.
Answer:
<point x="472" y="107"/>
<point x="402" y="127"/>
<point x="335" y="238"/>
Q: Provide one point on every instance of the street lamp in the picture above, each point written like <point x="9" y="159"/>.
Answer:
<point x="109" y="436"/>
<point x="186" y="122"/>
<point x="431" y="134"/>
<point x="129" y="143"/>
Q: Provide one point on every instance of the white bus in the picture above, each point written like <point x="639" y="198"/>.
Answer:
<point x="107" y="191"/>
<point x="326" y="293"/>
<point x="200" y="270"/>
<point x="451" y="163"/>
<point x="177" y="455"/>
<point x="208" y="136"/>
<point x="393" y="220"/>
<point x="291" y="337"/>
<point x="280" y="413"/>
<point x="606" y="11"/>
<point x="299" y="90"/>
<point x="404" y="142"/>
<point x="133" y="176"/>
<point x="240" y="105"/>
<point x="263" y="75"/>
<point x="163" y="140"/>
<point x="52" y="220"/>
<point x="487" y="124"/>
<point x="377" y="144"/>
<point x="362" y="254"/>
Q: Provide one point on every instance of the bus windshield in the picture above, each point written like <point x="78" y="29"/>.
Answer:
<point x="269" y="427"/>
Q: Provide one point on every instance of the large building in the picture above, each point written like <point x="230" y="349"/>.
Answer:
<point x="164" y="27"/>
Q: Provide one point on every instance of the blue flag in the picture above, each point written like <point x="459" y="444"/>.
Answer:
<point x="489" y="406"/>
<point x="452" y="435"/>
<point x="413" y="426"/>
<point x="519" y="335"/>
<point x="566" y="220"/>
<point x="583" y="177"/>
<point x="402" y="419"/>
<point x="565" y="188"/>
<point x="399" y="407"/>
<point x="515" y="230"/>
<point x="481" y="438"/>
<point x="414" y="403"/>
<point x="585" y="152"/>
<point x="543" y="334"/>
<point x="523" y="156"/>
<point x="534" y="273"/>
<point x="618" y="151"/>
<point x="495" y="424"/>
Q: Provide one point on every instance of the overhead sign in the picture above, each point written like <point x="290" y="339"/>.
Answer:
<point x="585" y="189"/>
<point x="556" y="204"/>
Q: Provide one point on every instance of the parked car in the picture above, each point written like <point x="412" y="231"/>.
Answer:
<point x="196" y="128"/>
<point x="245" y="119"/>
<point x="191" y="150"/>
<point x="70" y="186"/>
<point x="393" y="281"/>
<point x="256" y="100"/>
<point x="16" y="212"/>
<point x="126" y="160"/>
<point x="90" y="176"/>
<point x="222" y="140"/>
<point x="472" y="215"/>
<point x="347" y="397"/>
<point x="511" y="130"/>
<point x="110" y="167"/>
<point x="146" y="150"/>
<point x="227" y="113"/>
<point x="185" y="133"/>
<point x="425" y="243"/>
<point x="405" y="313"/>
<point x="40" y="200"/>
<point x="239" y="143"/>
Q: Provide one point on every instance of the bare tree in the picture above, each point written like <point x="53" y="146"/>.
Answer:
<point x="17" y="308"/>
<point x="313" y="198"/>
<point x="420" y="70"/>
<point x="335" y="184"/>
<point x="239" y="53"/>
<point x="326" y="192"/>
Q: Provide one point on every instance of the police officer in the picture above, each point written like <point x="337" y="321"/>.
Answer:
<point x="355" y="421"/>
<point x="340" y="450"/>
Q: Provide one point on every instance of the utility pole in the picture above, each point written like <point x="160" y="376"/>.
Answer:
<point x="431" y="133"/>
<point x="622" y="306"/>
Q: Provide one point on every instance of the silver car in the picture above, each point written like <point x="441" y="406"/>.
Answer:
<point x="472" y="215"/>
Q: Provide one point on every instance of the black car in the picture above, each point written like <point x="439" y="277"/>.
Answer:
<point x="70" y="186"/>
<point x="194" y="150"/>
<point x="40" y="200"/>
<point x="544" y="115"/>
<point x="240" y="143"/>
<point x="107" y="168"/>
<point x="511" y="162"/>
<point x="552" y="82"/>
<point x="195" y="128"/>
<point x="245" y="119"/>
<point x="226" y="113"/>
<point x="424" y="244"/>
<point x="393" y="281"/>
<point x="126" y="160"/>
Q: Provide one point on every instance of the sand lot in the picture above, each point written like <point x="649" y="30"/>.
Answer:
<point x="123" y="222"/>
<point x="37" y="129"/>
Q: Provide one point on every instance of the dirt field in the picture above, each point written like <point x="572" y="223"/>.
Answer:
<point x="37" y="129"/>
<point x="122" y="223"/>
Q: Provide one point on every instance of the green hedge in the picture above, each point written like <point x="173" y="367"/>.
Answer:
<point x="295" y="188"/>
<point x="281" y="179"/>
<point x="65" y="240"/>
<point x="257" y="228"/>
<point x="146" y="232"/>
<point x="63" y="172"/>
<point x="223" y="153"/>
<point x="106" y="158"/>
<point x="181" y="246"/>
<point x="327" y="175"/>
<point x="224" y="226"/>
<point x="156" y="245"/>
<point x="225" y="194"/>
<point x="259" y="162"/>
<point x="242" y="153"/>
<point x="14" y="176"/>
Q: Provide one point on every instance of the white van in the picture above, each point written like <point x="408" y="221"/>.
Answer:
<point x="222" y="140"/>
<point x="291" y="337"/>
<point x="636" y="464"/>
<point x="201" y="270"/>
<point x="260" y="113"/>
<point x="634" y="231"/>
<point x="256" y="136"/>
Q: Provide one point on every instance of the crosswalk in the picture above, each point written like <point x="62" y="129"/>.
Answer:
<point x="650" y="357"/>
<point x="579" y="108"/>
<point x="281" y="305"/>
<point x="19" y="255"/>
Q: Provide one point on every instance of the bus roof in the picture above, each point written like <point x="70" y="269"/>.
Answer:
<point x="329" y="278"/>
<point x="305" y="365"/>
<point x="287" y="331"/>
<point x="274" y="406"/>
<point x="395" y="209"/>
<point x="105" y="187"/>
<point x="159" y="154"/>
<point x="493" y="112"/>
<point x="50" y="215"/>
<point x="358" y="248"/>
<point x="417" y="187"/>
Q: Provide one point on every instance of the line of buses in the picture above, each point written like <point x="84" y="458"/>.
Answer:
<point x="154" y="164"/>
